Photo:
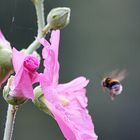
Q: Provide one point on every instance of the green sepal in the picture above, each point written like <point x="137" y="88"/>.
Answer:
<point x="40" y="101"/>
<point x="12" y="99"/>
<point x="6" y="66"/>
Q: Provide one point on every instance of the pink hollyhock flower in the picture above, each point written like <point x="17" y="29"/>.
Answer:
<point x="25" y="67"/>
<point x="67" y="102"/>
<point x="5" y="59"/>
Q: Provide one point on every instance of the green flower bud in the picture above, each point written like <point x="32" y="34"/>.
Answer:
<point x="6" y="67"/>
<point x="11" y="99"/>
<point x="59" y="18"/>
<point x="40" y="100"/>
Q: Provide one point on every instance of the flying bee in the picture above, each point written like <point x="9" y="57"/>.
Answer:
<point x="112" y="82"/>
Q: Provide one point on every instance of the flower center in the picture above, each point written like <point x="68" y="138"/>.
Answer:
<point x="64" y="101"/>
<point x="31" y="63"/>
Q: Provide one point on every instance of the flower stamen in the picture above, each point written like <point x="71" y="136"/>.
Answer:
<point x="64" y="101"/>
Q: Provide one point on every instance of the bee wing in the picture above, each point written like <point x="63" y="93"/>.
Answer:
<point x="118" y="75"/>
<point x="121" y="75"/>
<point x="113" y="74"/>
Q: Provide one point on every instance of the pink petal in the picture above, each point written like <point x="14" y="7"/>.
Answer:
<point x="70" y="129"/>
<point x="50" y="56"/>
<point x="70" y="112"/>
<point x="75" y="84"/>
<point x="68" y="133"/>
<point x="55" y="38"/>
<point x="49" y="64"/>
<point x="45" y="43"/>
<point x="72" y="117"/>
<point x="25" y="67"/>
<point x="31" y="63"/>
<point x="17" y="59"/>
<point x="22" y="85"/>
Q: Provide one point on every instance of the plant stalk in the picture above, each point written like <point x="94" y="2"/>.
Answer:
<point x="9" y="126"/>
<point x="39" y="6"/>
<point x="12" y="110"/>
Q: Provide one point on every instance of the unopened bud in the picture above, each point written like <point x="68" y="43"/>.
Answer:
<point x="59" y="18"/>
<point x="6" y="67"/>
<point x="40" y="100"/>
<point x="12" y="99"/>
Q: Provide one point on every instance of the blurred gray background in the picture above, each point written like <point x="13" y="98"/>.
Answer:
<point x="103" y="35"/>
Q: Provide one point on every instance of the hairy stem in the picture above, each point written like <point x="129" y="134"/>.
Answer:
<point x="11" y="112"/>
<point x="39" y="7"/>
<point x="11" y="115"/>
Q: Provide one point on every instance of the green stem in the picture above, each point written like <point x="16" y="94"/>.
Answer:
<point x="39" y="7"/>
<point x="11" y="115"/>
<point x="11" y="112"/>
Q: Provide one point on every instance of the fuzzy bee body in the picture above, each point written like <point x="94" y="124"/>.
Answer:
<point x="112" y="83"/>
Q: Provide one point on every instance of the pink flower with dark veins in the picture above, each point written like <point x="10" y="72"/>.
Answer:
<point x="25" y="67"/>
<point x="67" y="102"/>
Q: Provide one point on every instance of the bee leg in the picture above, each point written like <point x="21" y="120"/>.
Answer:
<point x="112" y="95"/>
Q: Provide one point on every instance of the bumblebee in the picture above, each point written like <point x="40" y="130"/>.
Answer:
<point x="112" y="82"/>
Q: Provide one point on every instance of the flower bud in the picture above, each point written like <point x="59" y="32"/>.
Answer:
<point x="40" y="100"/>
<point x="6" y="67"/>
<point x="12" y="99"/>
<point x="58" y="18"/>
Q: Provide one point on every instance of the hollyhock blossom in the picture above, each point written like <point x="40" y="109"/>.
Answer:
<point x="25" y="67"/>
<point x="5" y="59"/>
<point x="67" y="102"/>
